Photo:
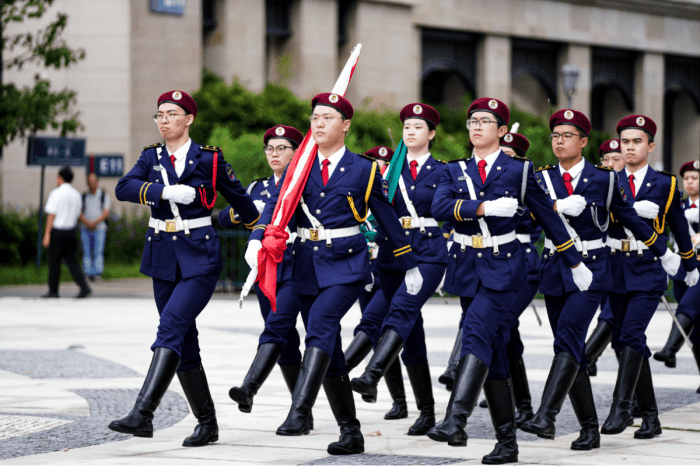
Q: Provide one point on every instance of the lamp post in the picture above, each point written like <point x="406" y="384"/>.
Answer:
<point x="569" y="75"/>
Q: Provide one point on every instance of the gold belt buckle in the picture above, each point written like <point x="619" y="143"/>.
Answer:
<point x="170" y="226"/>
<point x="478" y="242"/>
<point x="625" y="245"/>
<point x="406" y="223"/>
<point x="313" y="235"/>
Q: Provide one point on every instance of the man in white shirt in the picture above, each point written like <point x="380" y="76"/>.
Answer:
<point x="63" y="208"/>
<point x="96" y="205"/>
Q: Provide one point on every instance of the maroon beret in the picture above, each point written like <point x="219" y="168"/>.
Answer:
<point x="637" y="122"/>
<point x="422" y="111"/>
<point x="380" y="153"/>
<point x="568" y="116"/>
<point x="516" y="141"/>
<point x="336" y="101"/>
<point x="694" y="165"/>
<point x="611" y="145"/>
<point x="180" y="98"/>
<point x="487" y="104"/>
<point x="286" y="132"/>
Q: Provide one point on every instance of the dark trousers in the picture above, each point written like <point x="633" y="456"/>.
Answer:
<point x="515" y="347"/>
<point x="689" y="304"/>
<point x="633" y="312"/>
<point x="373" y="315"/>
<point x="179" y="303"/>
<point x="569" y="316"/>
<point x="64" y="245"/>
<point x="280" y="326"/>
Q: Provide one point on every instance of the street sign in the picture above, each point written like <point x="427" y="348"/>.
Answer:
<point x="106" y="165"/>
<point x="172" y="7"/>
<point x="55" y="151"/>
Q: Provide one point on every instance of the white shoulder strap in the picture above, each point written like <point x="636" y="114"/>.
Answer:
<point x="251" y="186"/>
<point x="314" y="221"/>
<point x="569" y="229"/>
<point x="409" y="203"/>
<point x="472" y="193"/>
<point x="523" y="187"/>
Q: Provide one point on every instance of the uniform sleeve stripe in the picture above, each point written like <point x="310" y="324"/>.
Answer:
<point x="687" y="255"/>
<point x="248" y="225"/>
<point x="408" y="246"/>
<point x="458" y="205"/>
<point x="145" y="191"/>
<point x="141" y="200"/>
<point x="565" y="246"/>
<point x="651" y="240"/>
<point x="404" y="252"/>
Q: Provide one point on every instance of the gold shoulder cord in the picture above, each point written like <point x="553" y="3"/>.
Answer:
<point x="660" y="229"/>
<point x="367" y="194"/>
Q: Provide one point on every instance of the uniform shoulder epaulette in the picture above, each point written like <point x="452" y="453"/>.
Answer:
<point x="603" y="167"/>
<point x="211" y="148"/>
<point x="458" y="160"/>
<point x="441" y="161"/>
<point x="153" y="146"/>
<point x="546" y="167"/>
<point x="367" y="157"/>
<point x="665" y="173"/>
<point x="522" y="159"/>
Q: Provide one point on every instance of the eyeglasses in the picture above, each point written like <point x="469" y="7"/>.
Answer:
<point x="169" y="116"/>
<point x="315" y="119"/>
<point x="567" y="136"/>
<point x="476" y="123"/>
<point x="279" y="149"/>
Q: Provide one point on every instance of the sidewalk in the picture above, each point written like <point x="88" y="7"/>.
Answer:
<point x="68" y="367"/>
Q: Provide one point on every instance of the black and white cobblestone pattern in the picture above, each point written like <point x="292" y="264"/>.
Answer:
<point x="61" y="364"/>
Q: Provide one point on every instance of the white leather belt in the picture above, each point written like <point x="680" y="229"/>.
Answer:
<point x="581" y="246"/>
<point x="630" y="244"/>
<point x="327" y="234"/>
<point x="524" y="238"/>
<point x="177" y="224"/>
<point x="411" y="223"/>
<point x="292" y="238"/>
<point x="481" y="242"/>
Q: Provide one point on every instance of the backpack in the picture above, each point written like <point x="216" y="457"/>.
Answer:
<point x="102" y="204"/>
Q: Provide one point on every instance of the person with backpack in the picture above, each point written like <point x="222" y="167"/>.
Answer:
<point x="96" y="205"/>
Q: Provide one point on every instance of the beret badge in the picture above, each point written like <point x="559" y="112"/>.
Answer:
<point x="417" y="109"/>
<point x="279" y="131"/>
<point x="177" y="95"/>
<point x="333" y="98"/>
<point x="508" y="138"/>
<point x="640" y="121"/>
<point x="614" y="144"/>
<point x="493" y="104"/>
<point x="568" y="114"/>
<point x="383" y="151"/>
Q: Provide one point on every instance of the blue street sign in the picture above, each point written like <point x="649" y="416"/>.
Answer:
<point x="55" y="151"/>
<point x="172" y="7"/>
<point x="106" y="165"/>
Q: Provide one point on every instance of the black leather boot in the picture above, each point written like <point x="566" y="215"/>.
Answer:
<point x="423" y="390"/>
<point x="471" y="375"/>
<point x="194" y="384"/>
<point x="651" y="426"/>
<point x="313" y="370"/>
<point x="581" y="396"/>
<point x="139" y="421"/>
<point x="500" y="400"/>
<point x="387" y="350"/>
<point x="357" y="351"/>
<point x="620" y="416"/>
<point x="264" y="362"/>
<point x="561" y="377"/>
<point x="394" y="382"/>
<point x="290" y="373"/>
<point x="596" y="344"/>
<point x="340" y="398"/>
<point x="521" y="391"/>
<point x="675" y="341"/>
<point x="483" y="403"/>
<point x="696" y="353"/>
<point x="448" y="378"/>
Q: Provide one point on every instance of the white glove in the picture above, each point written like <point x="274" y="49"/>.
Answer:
<point x="179" y="193"/>
<point x="260" y="205"/>
<point x="572" y="205"/>
<point x="369" y="286"/>
<point x="691" y="278"/>
<point x="414" y="281"/>
<point x="693" y="215"/>
<point x="449" y="245"/>
<point x="503" y="207"/>
<point x="251" y="254"/>
<point x="583" y="277"/>
<point x="670" y="261"/>
<point x="646" y="209"/>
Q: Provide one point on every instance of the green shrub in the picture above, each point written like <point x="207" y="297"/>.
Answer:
<point x="18" y="238"/>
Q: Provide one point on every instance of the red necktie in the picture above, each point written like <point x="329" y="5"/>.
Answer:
<point x="482" y="170"/>
<point x="632" y="188"/>
<point x="324" y="171"/>
<point x="567" y="183"/>
<point x="414" y="172"/>
<point x="172" y="160"/>
<point x="693" y="206"/>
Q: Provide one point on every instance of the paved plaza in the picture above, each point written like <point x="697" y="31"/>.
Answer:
<point x="68" y="367"/>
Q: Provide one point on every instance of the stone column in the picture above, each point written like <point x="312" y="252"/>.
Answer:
<point x="493" y="68"/>
<point x="649" y="98"/>
<point x="579" y="55"/>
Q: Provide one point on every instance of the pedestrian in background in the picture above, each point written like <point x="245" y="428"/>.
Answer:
<point x="63" y="208"/>
<point x="96" y="205"/>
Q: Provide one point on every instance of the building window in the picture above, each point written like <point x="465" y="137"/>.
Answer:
<point x="208" y="17"/>
<point x="277" y="12"/>
<point x="343" y="19"/>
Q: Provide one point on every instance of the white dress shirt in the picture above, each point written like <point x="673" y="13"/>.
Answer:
<point x="66" y="203"/>
<point x="490" y="160"/>
<point x="421" y="161"/>
<point x="181" y="157"/>
<point x="334" y="161"/>
<point x="574" y="171"/>
<point x="639" y="176"/>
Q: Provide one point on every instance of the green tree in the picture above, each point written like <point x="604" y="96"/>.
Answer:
<point x="31" y="109"/>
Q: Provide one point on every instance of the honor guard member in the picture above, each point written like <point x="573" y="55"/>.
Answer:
<point x="611" y="157"/>
<point x="279" y="341"/>
<point x="688" y="312"/>
<point x="402" y="328"/>
<point x="485" y="268"/>
<point x="639" y="280"/>
<point x="331" y="263"/>
<point x="584" y="196"/>
<point x="179" y="181"/>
